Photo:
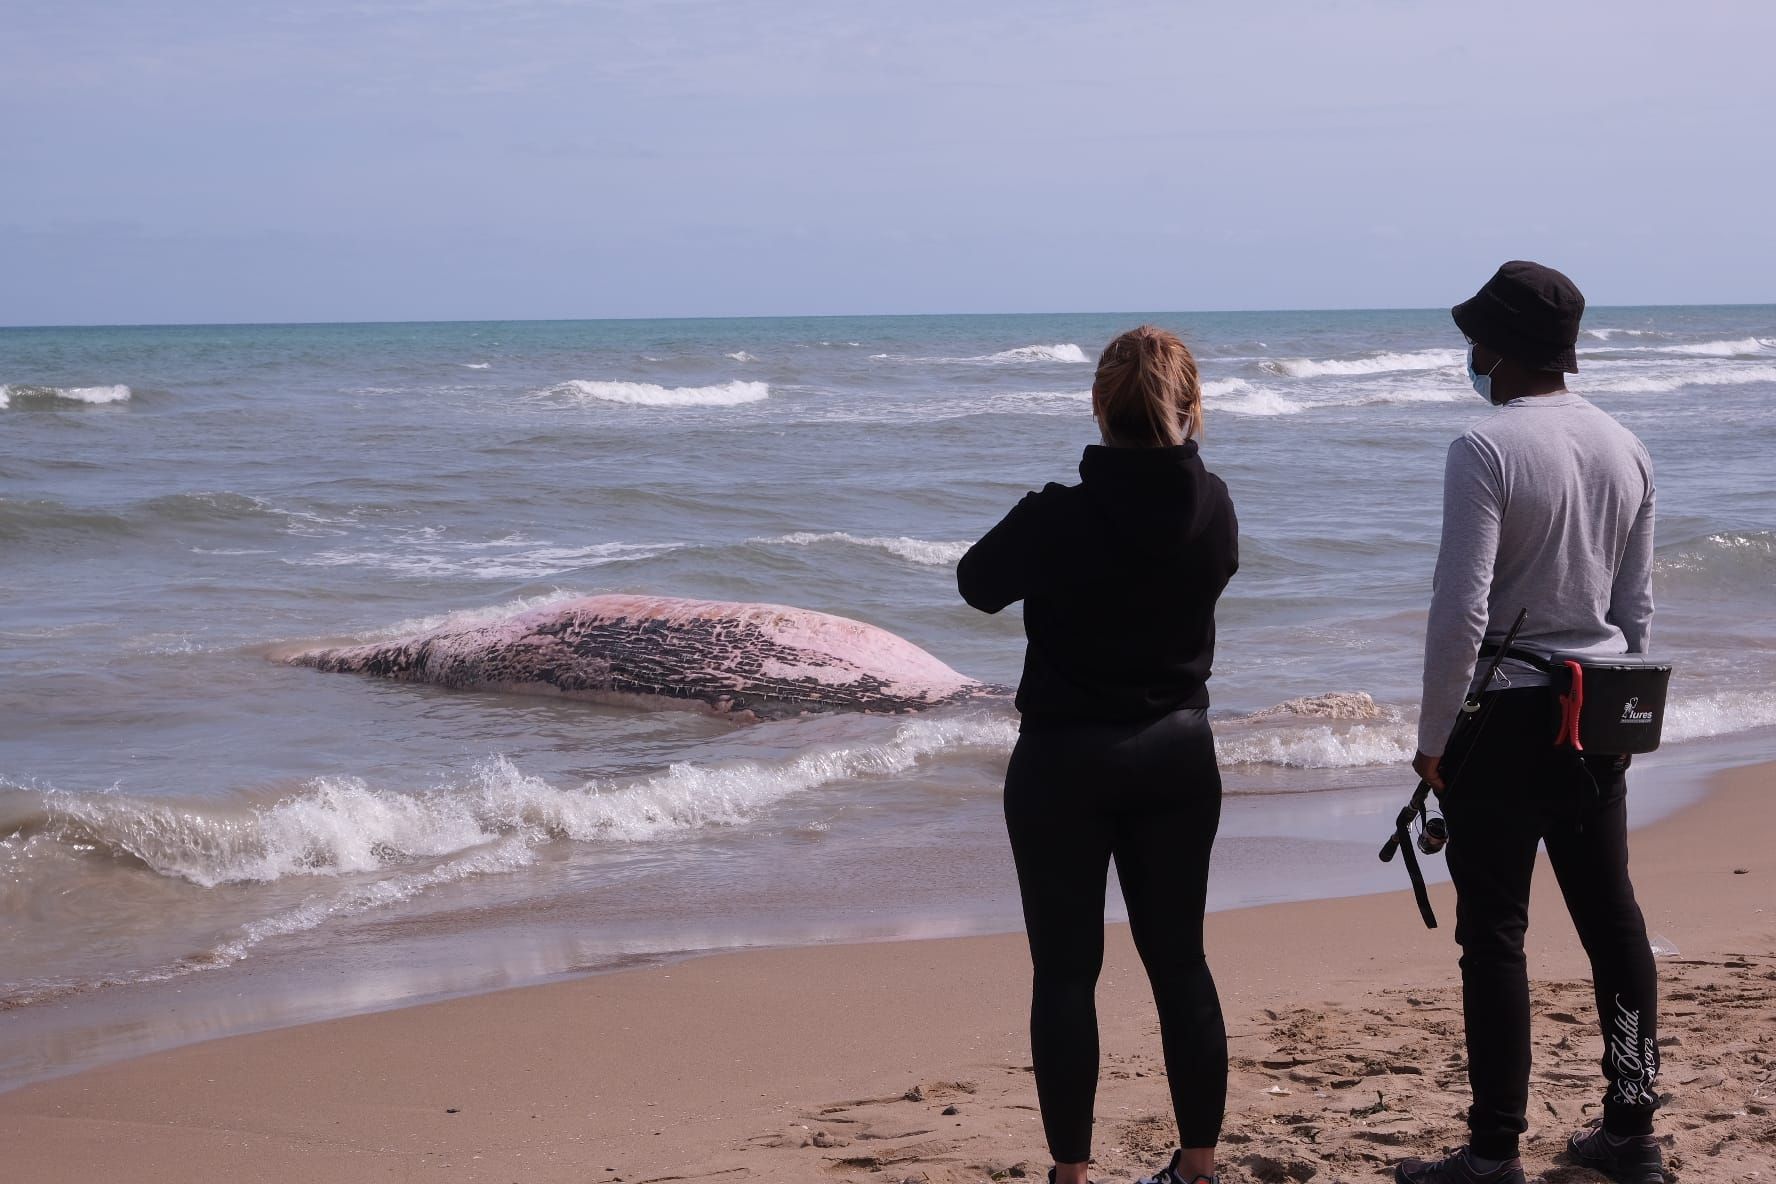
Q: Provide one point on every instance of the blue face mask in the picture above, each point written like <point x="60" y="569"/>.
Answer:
<point x="1482" y="383"/>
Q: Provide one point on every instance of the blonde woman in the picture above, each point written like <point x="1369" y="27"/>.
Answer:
<point x="1119" y="576"/>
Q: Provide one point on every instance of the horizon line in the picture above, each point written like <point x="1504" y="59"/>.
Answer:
<point x="796" y="317"/>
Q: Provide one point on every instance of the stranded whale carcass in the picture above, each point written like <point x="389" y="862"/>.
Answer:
<point x="765" y="660"/>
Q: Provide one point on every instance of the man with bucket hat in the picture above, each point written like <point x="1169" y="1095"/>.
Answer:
<point x="1547" y="506"/>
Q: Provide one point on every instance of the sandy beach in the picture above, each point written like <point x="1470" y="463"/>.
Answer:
<point x="909" y="1061"/>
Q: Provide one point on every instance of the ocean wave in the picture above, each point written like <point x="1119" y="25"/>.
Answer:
<point x="1631" y="384"/>
<point x="927" y="552"/>
<point x="1332" y="730"/>
<point x="468" y="618"/>
<point x="1409" y="395"/>
<point x="222" y="505"/>
<point x="1748" y="556"/>
<point x="647" y="394"/>
<point x="1743" y="347"/>
<point x="427" y="554"/>
<point x="1328" y="705"/>
<point x="203" y="508"/>
<point x="342" y="826"/>
<point x="504" y="855"/>
<point x="477" y="365"/>
<point x="1364" y="732"/>
<point x="1606" y="334"/>
<point x="741" y="355"/>
<point x="1320" y="747"/>
<point x="96" y="395"/>
<point x="19" y="519"/>
<point x="1720" y="713"/>
<point x="1239" y="397"/>
<point x="1063" y="352"/>
<point x="1425" y="359"/>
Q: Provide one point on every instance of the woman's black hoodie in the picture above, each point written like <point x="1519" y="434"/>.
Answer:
<point x="1119" y="576"/>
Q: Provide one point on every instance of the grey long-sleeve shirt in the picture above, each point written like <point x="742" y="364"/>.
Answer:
<point x="1547" y="505"/>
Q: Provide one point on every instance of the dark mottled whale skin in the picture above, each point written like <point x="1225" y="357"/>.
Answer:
<point x="757" y="660"/>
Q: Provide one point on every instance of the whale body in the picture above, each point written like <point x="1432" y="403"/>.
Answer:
<point x="757" y="660"/>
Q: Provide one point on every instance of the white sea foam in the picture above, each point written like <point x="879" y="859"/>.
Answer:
<point x="1632" y="384"/>
<point x="1426" y="359"/>
<point x="69" y="394"/>
<point x="1606" y="334"/>
<point x="741" y="355"/>
<point x="647" y="394"/>
<point x="928" y="552"/>
<point x="477" y="365"/>
<point x="1063" y="352"/>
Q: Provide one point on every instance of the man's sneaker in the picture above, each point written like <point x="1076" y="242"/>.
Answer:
<point x="1173" y="1174"/>
<point x="1629" y="1159"/>
<point x="1457" y="1169"/>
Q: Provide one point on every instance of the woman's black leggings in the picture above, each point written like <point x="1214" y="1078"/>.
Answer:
<point x="1149" y="794"/>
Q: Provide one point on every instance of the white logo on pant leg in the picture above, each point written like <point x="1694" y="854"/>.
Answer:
<point x="1635" y="1061"/>
<point x="1631" y="713"/>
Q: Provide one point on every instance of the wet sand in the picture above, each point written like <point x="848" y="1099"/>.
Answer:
<point x="909" y="1060"/>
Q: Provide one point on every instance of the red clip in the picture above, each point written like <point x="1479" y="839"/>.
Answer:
<point x="1571" y="703"/>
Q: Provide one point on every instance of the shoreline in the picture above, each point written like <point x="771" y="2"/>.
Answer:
<point x="798" y="1062"/>
<point x="950" y="878"/>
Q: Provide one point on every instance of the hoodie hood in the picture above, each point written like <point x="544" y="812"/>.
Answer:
<point x="1154" y="500"/>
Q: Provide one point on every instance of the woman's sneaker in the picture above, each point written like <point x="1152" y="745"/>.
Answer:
<point x="1172" y="1174"/>
<point x="1628" y="1159"/>
<point x="1457" y="1169"/>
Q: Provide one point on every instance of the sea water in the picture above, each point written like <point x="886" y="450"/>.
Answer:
<point x="183" y="818"/>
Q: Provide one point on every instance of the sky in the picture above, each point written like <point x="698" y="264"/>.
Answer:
<point x="227" y="160"/>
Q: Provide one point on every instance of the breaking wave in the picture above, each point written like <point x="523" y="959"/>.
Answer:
<point x="1425" y="359"/>
<point x="341" y="826"/>
<point x="64" y="394"/>
<point x="1664" y="384"/>
<point x="647" y="394"/>
<point x="1322" y="747"/>
<point x="1239" y="397"/>
<point x="928" y="552"/>
<point x="1064" y="352"/>
<point x="1719" y="714"/>
<point x="1743" y="347"/>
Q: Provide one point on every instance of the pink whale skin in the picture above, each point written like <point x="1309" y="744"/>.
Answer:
<point x="759" y="660"/>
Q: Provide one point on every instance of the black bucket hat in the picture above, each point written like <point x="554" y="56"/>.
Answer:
<point x="1528" y="313"/>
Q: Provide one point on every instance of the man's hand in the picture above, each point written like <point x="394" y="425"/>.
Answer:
<point x="1426" y="768"/>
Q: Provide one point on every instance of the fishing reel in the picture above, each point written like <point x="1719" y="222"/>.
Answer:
<point x="1433" y="836"/>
